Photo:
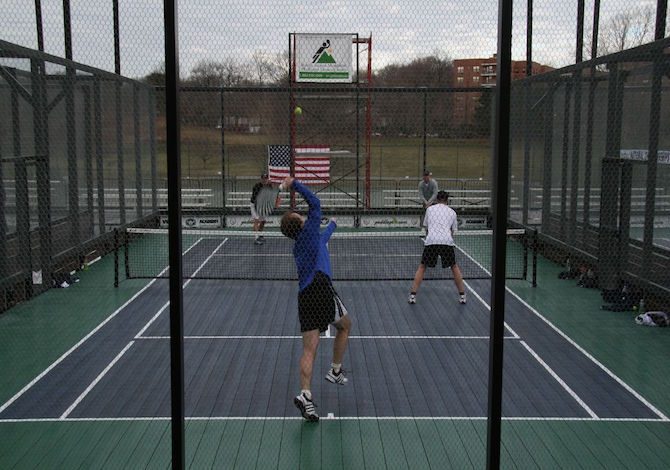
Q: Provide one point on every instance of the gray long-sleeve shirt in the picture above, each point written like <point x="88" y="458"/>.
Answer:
<point x="428" y="191"/>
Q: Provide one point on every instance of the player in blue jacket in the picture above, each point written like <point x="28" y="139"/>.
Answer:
<point x="318" y="303"/>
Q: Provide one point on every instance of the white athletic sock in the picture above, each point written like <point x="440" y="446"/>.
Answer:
<point x="336" y="367"/>
<point x="307" y="393"/>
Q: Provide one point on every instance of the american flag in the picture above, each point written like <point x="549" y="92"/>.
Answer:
<point x="312" y="163"/>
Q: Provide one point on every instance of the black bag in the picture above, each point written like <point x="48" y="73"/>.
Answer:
<point x="621" y="299"/>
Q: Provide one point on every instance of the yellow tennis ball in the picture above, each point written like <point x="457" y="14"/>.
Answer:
<point x="297" y="110"/>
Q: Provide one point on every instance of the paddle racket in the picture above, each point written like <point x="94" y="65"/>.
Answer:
<point x="266" y="200"/>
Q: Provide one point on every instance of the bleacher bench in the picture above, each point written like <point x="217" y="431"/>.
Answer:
<point x="190" y="197"/>
<point x="328" y="199"/>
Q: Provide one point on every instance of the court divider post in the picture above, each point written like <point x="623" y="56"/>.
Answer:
<point x="116" y="257"/>
<point x="535" y="248"/>
<point x="125" y="254"/>
<point x="526" y="243"/>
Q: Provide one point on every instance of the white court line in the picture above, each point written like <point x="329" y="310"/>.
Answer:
<point x="287" y="255"/>
<point x="565" y="386"/>
<point x="115" y="360"/>
<point x="533" y="353"/>
<point x="341" y="418"/>
<point x="162" y="309"/>
<point x="73" y="348"/>
<point x="83" y="340"/>
<point x="580" y="349"/>
<point x="589" y="356"/>
<point x="95" y="382"/>
<point x="476" y="294"/>
<point x="93" y="261"/>
<point x="199" y="337"/>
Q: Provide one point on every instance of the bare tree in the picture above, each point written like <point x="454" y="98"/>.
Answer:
<point x="262" y="65"/>
<point x="157" y="76"/>
<point x="280" y="67"/>
<point x="270" y="68"/>
<point x="228" y="72"/>
<point x="626" y="29"/>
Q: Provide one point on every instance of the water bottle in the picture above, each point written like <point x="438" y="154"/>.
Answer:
<point x="641" y="307"/>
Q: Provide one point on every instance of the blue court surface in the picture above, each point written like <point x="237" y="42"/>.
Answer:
<point x="242" y="345"/>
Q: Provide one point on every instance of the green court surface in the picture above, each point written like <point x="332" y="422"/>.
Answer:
<point x="35" y="334"/>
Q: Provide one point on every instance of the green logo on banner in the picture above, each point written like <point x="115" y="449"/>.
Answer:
<point x="325" y="58"/>
<point x="323" y="55"/>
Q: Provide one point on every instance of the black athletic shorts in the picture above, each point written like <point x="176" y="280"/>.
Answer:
<point x="445" y="252"/>
<point x="319" y="305"/>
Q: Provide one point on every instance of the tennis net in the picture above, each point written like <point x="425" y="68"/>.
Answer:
<point x="356" y="255"/>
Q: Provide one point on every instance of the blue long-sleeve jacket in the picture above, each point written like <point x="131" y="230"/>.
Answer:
<point x="310" y="250"/>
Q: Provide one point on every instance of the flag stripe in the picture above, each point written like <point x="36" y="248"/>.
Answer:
<point x="310" y="167"/>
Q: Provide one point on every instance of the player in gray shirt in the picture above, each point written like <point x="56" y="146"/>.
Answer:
<point x="427" y="192"/>
<point x="427" y="189"/>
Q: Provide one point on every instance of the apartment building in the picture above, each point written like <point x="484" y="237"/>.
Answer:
<point x="478" y="72"/>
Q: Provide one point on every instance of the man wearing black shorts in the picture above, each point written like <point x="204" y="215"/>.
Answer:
<point x="259" y="221"/>
<point x="318" y="304"/>
<point x="441" y="223"/>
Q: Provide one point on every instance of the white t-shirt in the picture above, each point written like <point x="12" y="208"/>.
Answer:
<point x="441" y="221"/>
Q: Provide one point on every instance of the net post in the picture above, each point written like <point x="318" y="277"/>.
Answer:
<point x="534" y="247"/>
<point x="126" y="257"/>
<point x="116" y="258"/>
<point x="525" y="254"/>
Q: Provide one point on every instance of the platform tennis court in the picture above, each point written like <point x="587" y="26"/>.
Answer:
<point x="146" y="322"/>
<point x="410" y="366"/>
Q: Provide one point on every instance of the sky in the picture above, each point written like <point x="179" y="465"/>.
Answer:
<point x="218" y="29"/>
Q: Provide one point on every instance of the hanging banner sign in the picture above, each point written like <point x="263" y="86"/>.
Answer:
<point x="245" y="221"/>
<point x="642" y="155"/>
<point x="195" y="222"/>
<point x="324" y="58"/>
<point x="390" y="221"/>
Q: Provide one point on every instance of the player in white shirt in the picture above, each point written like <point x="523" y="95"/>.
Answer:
<point x="441" y="223"/>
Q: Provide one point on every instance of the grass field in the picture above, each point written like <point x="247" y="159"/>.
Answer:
<point x="245" y="155"/>
<point x="394" y="157"/>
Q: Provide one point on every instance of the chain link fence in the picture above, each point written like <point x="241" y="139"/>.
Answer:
<point x="77" y="162"/>
<point x="583" y="136"/>
<point x="83" y="159"/>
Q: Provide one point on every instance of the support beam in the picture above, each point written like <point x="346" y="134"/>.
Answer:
<point x="99" y="163"/>
<point x="172" y="119"/>
<point x="43" y="176"/>
<point x="500" y="173"/>
<point x="527" y="121"/>
<point x="138" y="152"/>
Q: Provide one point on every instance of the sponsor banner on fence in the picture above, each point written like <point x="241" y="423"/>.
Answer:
<point x="366" y="221"/>
<point x="477" y="222"/>
<point x="273" y="221"/>
<point x="390" y="221"/>
<point x="244" y="221"/>
<point x="213" y="221"/>
<point x="642" y="155"/>
<point x="342" y="221"/>
<point x="324" y="58"/>
<point x="660" y="221"/>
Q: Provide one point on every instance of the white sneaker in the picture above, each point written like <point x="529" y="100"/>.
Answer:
<point x="307" y="407"/>
<point x="461" y="299"/>
<point x="411" y="299"/>
<point x="340" y="378"/>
